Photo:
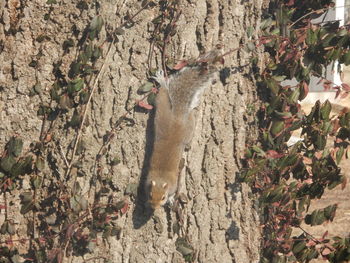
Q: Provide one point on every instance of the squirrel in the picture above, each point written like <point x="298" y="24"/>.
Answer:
<point x="174" y="124"/>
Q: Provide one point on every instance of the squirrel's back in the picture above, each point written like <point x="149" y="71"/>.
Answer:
<point x="186" y="87"/>
<point x="174" y="124"/>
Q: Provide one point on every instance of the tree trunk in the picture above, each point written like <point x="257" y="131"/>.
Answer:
<point x="219" y="222"/>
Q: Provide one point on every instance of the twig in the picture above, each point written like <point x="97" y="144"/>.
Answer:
<point x="315" y="11"/>
<point x="306" y="15"/>
<point x="136" y="14"/>
<point x="312" y="237"/>
<point x="63" y="156"/>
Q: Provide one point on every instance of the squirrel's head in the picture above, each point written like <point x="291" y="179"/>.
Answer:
<point x="158" y="194"/>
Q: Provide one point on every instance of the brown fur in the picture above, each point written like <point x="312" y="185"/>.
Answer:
<point x="174" y="125"/>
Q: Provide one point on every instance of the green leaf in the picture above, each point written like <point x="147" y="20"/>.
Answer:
<point x="258" y="150"/>
<point x="266" y="23"/>
<point x="77" y="203"/>
<point x="15" y="146"/>
<point x="131" y="189"/>
<point x="339" y="154"/>
<point x="250" y="31"/>
<point x="23" y="166"/>
<point x="320" y="142"/>
<point x="327" y="127"/>
<point x="251" y="46"/>
<point x="183" y="246"/>
<point x="311" y="37"/>
<point x="54" y="92"/>
<point x="115" y="161"/>
<point x="312" y="253"/>
<point x="82" y="5"/>
<point x="273" y="86"/>
<point x="151" y="99"/>
<point x="95" y="27"/>
<point x="294" y="97"/>
<point x="68" y="44"/>
<point x="346" y="58"/>
<point x="11" y="228"/>
<point x="146" y="87"/>
<point x="279" y="78"/>
<point x="40" y="163"/>
<point x="26" y="207"/>
<point x="75" y="120"/>
<point x="326" y="110"/>
<point x="74" y="70"/>
<point x="83" y="97"/>
<point x="47" y="16"/>
<point x="83" y="58"/>
<point x="298" y="246"/>
<point x="277" y="127"/>
<point x="116" y="231"/>
<point x="7" y="162"/>
<point x="77" y="84"/>
<point x="65" y="102"/>
<point x="119" y="31"/>
<point x="97" y="53"/>
<point x="342" y="32"/>
<point x="284" y="115"/>
<point x="36" y="181"/>
<point x="50" y="2"/>
<point x="89" y="49"/>
<point x="329" y="212"/>
<point x="81" y="147"/>
<point x="37" y="88"/>
<point x="3" y="228"/>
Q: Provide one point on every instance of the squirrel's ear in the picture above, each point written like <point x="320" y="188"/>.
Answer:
<point x="153" y="183"/>
<point x="165" y="185"/>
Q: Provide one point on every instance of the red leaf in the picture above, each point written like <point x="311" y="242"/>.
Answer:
<point x="344" y="95"/>
<point x="305" y="88"/>
<point x="125" y="208"/>
<point x="290" y="3"/>
<point x="345" y="86"/>
<point x="327" y="85"/>
<point x="343" y="184"/>
<point x="273" y="154"/>
<point x="326" y="251"/>
<point x="337" y="93"/>
<point x="2" y="207"/>
<point x="318" y="155"/>
<point x="70" y="231"/>
<point x="144" y="105"/>
<point x="311" y="243"/>
<point x="324" y="235"/>
<point x="283" y="46"/>
<point x="180" y="65"/>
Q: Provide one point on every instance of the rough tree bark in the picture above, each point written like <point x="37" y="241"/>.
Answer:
<point x="219" y="219"/>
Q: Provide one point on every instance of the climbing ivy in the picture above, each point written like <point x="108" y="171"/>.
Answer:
<point x="286" y="178"/>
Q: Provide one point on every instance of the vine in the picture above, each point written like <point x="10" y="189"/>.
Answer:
<point x="62" y="222"/>
<point x="287" y="178"/>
